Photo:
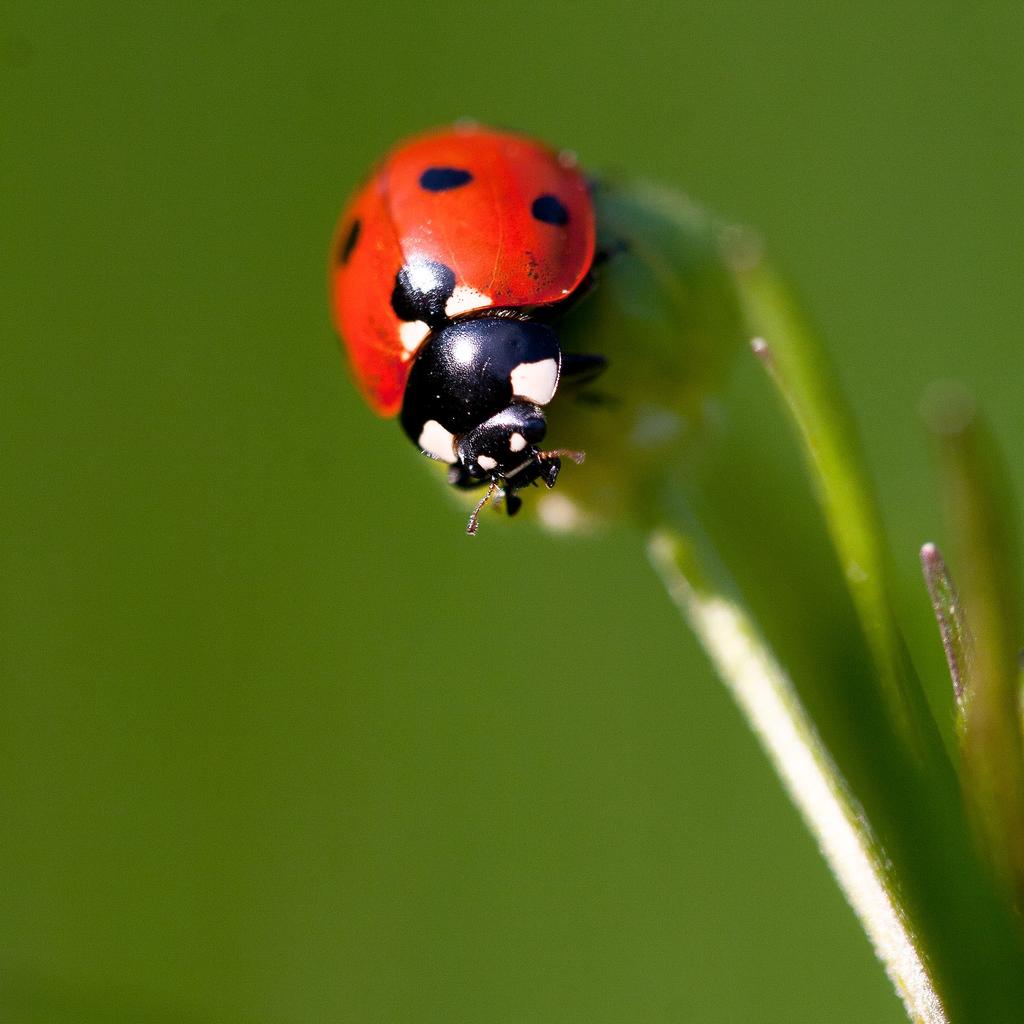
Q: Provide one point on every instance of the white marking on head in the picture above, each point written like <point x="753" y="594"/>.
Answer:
<point x="412" y="334"/>
<point x="437" y="442"/>
<point x="486" y="462"/>
<point x="464" y="298"/>
<point x="517" y="442"/>
<point x="535" y="381"/>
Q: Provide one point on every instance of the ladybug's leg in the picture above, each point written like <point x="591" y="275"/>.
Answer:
<point x="549" y="464"/>
<point x="513" y="503"/>
<point x="608" y="252"/>
<point x="579" y="371"/>
<point x="581" y="368"/>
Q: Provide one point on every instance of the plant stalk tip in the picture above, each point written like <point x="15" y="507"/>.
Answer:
<point x="948" y="610"/>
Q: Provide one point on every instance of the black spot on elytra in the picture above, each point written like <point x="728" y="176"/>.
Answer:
<point x="549" y="210"/>
<point x="421" y="291"/>
<point x="350" y="242"/>
<point x="441" y="179"/>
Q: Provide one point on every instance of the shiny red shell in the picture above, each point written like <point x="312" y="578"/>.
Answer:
<point x="503" y="255"/>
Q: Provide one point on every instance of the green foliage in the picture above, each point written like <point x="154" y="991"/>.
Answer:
<point x="796" y="591"/>
<point x="982" y="522"/>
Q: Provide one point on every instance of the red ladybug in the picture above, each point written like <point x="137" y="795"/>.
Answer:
<point x="447" y="268"/>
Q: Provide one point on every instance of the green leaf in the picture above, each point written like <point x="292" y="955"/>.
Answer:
<point x="981" y="515"/>
<point x="686" y="439"/>
<point x="788" y="348"/>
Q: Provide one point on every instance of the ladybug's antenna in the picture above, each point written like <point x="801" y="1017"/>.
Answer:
<point x="564" y="453"/>
<point x="475" y="517"/>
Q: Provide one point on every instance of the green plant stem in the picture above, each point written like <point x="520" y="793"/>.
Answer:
<point x="797" y="363"/>
<point x="767" y="698"/>
<point x="797" y="615"/>
<point x="887" y="751"/>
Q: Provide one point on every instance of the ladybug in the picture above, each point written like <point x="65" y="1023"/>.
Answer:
<point x="447" y="270"/>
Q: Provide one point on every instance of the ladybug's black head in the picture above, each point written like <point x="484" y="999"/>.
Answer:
<point x="474" y="399"/>
<point x="505" y="447"/>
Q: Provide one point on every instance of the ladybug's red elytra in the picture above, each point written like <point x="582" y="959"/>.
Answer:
<point x="447" y="269"/>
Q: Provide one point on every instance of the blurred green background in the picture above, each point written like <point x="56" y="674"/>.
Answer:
<point x="279" y="743"/>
